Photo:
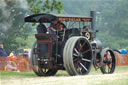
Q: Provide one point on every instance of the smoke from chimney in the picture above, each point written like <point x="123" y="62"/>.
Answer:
<point x="8" y="12"/>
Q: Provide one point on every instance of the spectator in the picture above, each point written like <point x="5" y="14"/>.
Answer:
<point x="25" y="55"/>
<point x="12" y="66"/>
<point x="41" y="28"/>
<point x="12" y="53"/>
<point x="2" y="51"/>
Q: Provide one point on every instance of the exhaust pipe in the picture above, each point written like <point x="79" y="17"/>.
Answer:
<point x="93" y="16"/>
<point x="93" y="23"/>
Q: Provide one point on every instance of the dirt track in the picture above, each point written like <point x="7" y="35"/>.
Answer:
<point x="91" y="79"/>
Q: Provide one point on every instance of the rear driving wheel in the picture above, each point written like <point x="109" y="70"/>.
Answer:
<point x="36" y="67"/>
<point x="109" y="62"/>
<point x="77" y="56"/>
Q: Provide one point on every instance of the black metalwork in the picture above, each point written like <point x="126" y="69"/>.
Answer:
<point x="72" y="49"/>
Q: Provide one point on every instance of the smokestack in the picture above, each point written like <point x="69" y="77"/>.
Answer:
<point x="93" y="16"/>
<point x="93" y="23"/>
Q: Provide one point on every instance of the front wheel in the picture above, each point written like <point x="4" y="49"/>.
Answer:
<point x="77" y="56"/>
<point x="108" y="61"/>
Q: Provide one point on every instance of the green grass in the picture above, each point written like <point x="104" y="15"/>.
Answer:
<point x="17" y="74"/>
<point x="121" y="69"/>
<point x="59" y="73"/>
<point x="117" y="69"/>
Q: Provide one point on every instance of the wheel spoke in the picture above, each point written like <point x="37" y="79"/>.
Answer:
<point x="86" y="60"/>
<point x="78" y="45"/>
<point x="83" y="66"/>
<point x="75" y="55"/>
<point x="86" y="51"/>
<point x="74" y="60"/>
<point x="76" y="51"/>
<point x="82" y="46"/>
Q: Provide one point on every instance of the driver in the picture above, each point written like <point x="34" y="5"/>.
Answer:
<point x="56" y="25"/>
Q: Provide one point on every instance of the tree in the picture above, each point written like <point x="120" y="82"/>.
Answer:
<point x="47" y="6"/>
<point x="114" y="21"/>
<point x="12" y="25"/>
<point x="14" y="31"/>
<point x="111" y="18"/>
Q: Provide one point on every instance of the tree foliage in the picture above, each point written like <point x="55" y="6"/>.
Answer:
<point x="114" y="21"/>
<point x="14" y="32"/>
<point x="46" y="6"/>
<point x="111" y="18"/>
<point x="12" y="25"/>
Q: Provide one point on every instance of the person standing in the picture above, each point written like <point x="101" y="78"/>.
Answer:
<point x="25" y="55"/>
<point x="2" y="51"/>
<point x="12" y="53"/>
<point x="3" y="56"/>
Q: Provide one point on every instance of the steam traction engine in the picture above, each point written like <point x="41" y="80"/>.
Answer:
<point x="73" y="49"/>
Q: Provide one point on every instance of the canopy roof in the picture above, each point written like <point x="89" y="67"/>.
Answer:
<point x="44" y="17"/>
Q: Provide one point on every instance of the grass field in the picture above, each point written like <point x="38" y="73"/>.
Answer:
<point x="59" y="73"/>
<point x="120" y="77"/>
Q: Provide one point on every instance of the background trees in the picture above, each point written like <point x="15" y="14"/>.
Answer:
<point x="12" y="24"/>
<point x="111" y="18"/>
<point x="45" y="6"/>
<point x="14" y="32"/>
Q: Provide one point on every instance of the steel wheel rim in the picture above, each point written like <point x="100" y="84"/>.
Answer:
<point x="108" y="62"/>
<point x="82" y="57"/>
